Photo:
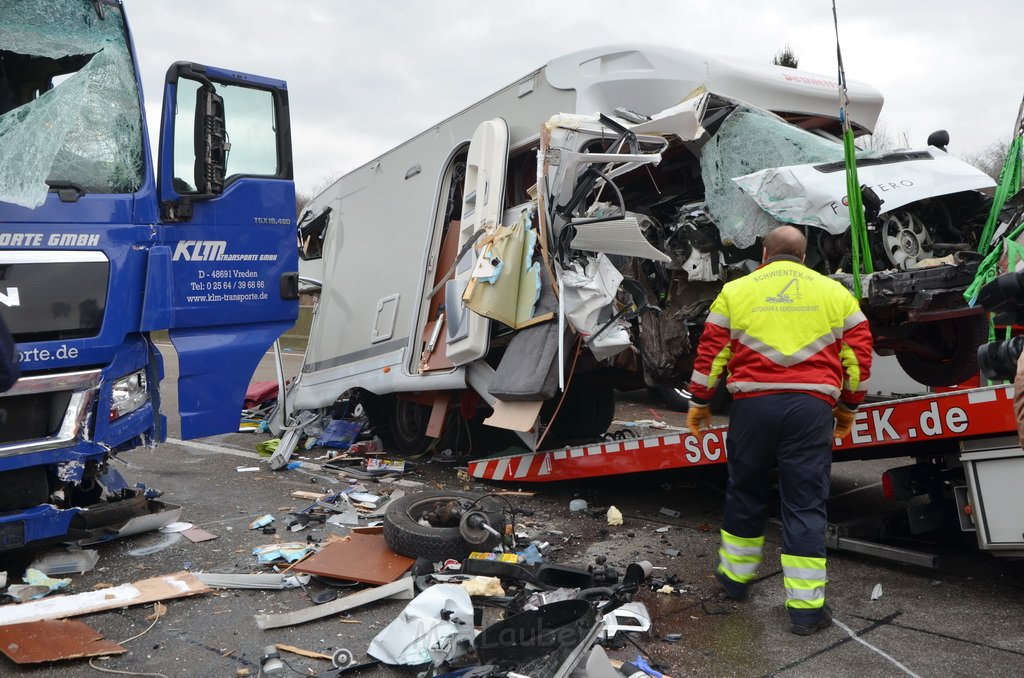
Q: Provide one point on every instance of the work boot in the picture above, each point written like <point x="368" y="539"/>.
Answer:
<point x="824" y="621"/>
<point x="733" y="590"/>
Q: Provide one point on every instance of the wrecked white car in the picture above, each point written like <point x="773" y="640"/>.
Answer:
<point x="706" y="200"/>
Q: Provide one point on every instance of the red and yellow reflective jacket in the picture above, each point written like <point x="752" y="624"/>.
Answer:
<point x="784" y="328"/>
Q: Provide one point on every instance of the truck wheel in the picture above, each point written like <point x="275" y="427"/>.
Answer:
<point x="440" y="539"/>
<point x="586" y="413"/>
<point x="949" y="353"/>
<point x="678" y="399"/>
<point x="675" y="397"/>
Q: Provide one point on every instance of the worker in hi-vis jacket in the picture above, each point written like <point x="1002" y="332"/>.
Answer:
<point x="795" y="351"/>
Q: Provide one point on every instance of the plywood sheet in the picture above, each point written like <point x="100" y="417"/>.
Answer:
<point x="49" y="640"/>
<point x="364" y="558"/>
<point x="177" y="585"/>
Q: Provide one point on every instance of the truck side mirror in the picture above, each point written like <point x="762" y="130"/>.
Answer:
<point x="211" y="141"/>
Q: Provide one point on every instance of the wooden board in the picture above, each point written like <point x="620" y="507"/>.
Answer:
<point x="364" y="558"/>
<point x="49" y="640"/>
<point x="177" y="585"/>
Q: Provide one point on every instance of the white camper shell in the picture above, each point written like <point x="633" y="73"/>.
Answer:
<point x="506" y="254"/>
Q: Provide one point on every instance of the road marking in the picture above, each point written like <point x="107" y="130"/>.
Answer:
<point x="856" y="489"/>
<point x="868" y="645"/>
<point x="216" y="449"/>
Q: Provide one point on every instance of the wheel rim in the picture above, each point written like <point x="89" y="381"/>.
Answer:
<point x="905" y="239"/>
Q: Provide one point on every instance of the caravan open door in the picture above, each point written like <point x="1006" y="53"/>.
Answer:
<point x="469" y="334"/>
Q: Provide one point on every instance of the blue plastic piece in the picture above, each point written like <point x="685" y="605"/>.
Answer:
<point x="531" y="555"/>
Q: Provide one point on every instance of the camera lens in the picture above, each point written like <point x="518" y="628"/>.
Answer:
<point x="998" y="360"/>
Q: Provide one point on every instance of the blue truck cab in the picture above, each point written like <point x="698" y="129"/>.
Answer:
<point x="100" y="247"/>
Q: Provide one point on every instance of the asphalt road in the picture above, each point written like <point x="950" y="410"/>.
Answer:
<point x="964" y="619"/>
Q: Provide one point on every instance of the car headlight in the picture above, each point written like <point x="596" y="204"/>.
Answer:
<point x="128" y="394"/>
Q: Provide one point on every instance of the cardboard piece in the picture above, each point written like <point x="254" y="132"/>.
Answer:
<point x="49" y="640"/>
<point x="364" y="558"/>
<point x="177" y="585"/>
<point x="198" y="534"/>
<point x="515" y="415"/>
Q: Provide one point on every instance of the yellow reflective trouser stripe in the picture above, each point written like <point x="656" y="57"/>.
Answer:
<point x="739" y="557"/>
<point x="804" y="578"/>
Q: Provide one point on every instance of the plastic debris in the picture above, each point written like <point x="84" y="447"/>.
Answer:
<point x="247" y="469"/>
<point x="62" y="562"/>
<point x="614" y="516"/>
<point x="36" y="586"/>
<point x="876" y="592"/>
<point x="262" y="521"/>
<point x="662" y="529"/>
<point x="577" y="505"/>
<point x="629" y="617"/>
<point x="421" y="636"/>
<point x="667" y="588"/>
<point x="287" y="552"/>
<point x="671" y="513"/>
<point x="531" y="555"/>
<point x="267" y="448"/>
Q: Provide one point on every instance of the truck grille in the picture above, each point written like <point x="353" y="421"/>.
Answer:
<point x="32" y="416"/>
<point x="46" y="412"/>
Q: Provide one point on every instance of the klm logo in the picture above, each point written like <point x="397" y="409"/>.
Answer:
<point x="11" y="299"/>
<point x="199" y="250"/>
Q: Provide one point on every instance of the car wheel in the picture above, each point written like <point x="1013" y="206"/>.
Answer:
<point x="948" y="352"/>
<point x="439" y="539"/>
<point x="904" y="240"/>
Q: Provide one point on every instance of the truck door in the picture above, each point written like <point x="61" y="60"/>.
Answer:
<point x="223" y="276"/>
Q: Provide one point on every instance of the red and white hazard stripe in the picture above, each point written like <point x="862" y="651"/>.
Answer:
<point x="955" y="414"/>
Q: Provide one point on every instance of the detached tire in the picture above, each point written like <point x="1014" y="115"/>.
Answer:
<point x="952" y="348"/>
<point x="406" y="536"/>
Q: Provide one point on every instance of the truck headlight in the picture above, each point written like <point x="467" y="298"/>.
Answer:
<point x="128" y="394"/>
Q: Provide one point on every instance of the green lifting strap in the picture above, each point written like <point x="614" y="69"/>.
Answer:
<point x="854" y="202"/>
<point x="1009" y="185"/>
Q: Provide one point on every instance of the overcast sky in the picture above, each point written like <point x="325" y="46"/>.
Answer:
<point x="366" y="75"/>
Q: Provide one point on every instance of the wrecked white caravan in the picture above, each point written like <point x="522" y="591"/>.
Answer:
<point x="458" y="287"/>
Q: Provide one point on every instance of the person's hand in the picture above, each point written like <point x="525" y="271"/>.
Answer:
<point x="844" y="420"/>
<point x="698" y="417"/>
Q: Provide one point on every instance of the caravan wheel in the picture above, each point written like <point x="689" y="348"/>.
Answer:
<point x="407" y="426"/>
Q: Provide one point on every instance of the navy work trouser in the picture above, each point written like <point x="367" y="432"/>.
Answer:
<point x="793" y="431"/>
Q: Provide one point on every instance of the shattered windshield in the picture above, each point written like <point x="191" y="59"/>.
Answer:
<point x="69" y="104"/>
<point x="747" y="141"/>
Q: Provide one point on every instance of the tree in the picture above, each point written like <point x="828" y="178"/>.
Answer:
<point x="786" y="57"/>
<point x="301" y="200"/>
<point x="990" y="159"/>
<point x="882" y="138"/>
